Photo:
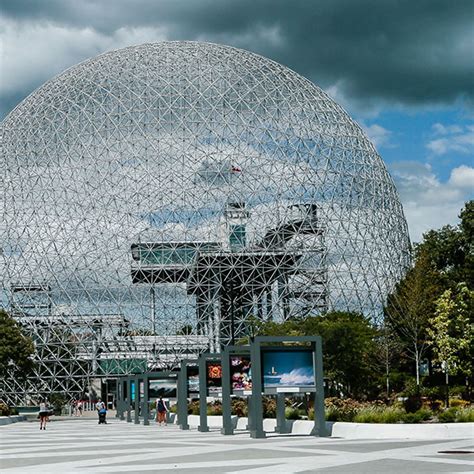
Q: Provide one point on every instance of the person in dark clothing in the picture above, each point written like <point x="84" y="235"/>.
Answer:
<point x="161" y="411"/>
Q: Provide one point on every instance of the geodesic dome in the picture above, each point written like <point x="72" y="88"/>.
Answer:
<point x="174" y="190"/>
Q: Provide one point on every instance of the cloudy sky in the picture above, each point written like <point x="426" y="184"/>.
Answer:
<point x="402" y="68"/>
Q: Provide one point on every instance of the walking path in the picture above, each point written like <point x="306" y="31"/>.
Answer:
<point x="81" y="445"/>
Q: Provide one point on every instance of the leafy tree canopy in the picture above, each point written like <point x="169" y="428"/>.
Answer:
<point x="16" y="349"/>
<point x="349" y="345"/>
<point x="451" y="249"/>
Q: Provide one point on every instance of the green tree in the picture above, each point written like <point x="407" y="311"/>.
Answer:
<point x="349" y="349"/>
<point x="451" y="249"/>
<point x="16" y="349"/>
<point x="451" y="333"/>
<point x="409" y="308"/>
<point x="348" y="346"/>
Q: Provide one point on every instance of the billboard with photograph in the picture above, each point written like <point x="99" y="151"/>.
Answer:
<point x="162" y="387"/>
<point x="287" y="368"/>
<point x="240" y="372"/>
<point x="214" y="378"/>
<point x="193" y="380"/>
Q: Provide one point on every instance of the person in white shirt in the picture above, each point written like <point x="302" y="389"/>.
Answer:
<point x="101" y="410"/>
<point x="43" y="414"/>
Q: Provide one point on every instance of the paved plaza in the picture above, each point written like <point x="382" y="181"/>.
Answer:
<point x="81" y="445"/>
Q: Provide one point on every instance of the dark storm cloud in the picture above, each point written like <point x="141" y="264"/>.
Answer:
<point x="400" y="52"/>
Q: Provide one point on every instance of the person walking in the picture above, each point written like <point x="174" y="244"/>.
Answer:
<point x="43" y="414"/>
<point x="102" y="411"/>
<point x="161" y="411"/>
<point x="80" y="406"/>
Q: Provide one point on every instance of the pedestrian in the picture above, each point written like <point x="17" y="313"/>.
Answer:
<point x="80" y="406"/>
<point x="102" y="411"/>
<point x="161" y="411"/>
<point x="43" y="414"/>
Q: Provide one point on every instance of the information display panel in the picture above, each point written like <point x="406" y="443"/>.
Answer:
<point x="162" y="387"/>
<point x="240" y="373"/>
<point x="192" y="374"/>
<point x="287" y="370"/>
<point x="214" y="378"/>
<point x="132" y="390"/>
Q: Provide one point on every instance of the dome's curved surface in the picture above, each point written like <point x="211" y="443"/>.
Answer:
<point x="179" y="142"/>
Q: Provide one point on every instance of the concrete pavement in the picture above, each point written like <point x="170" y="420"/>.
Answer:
<point x="81" y="445"/>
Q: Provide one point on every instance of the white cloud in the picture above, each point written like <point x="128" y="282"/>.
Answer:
<point x="462" y="177"/>
<point x="451" y="138"/>
<point x="440" y="129"/>
<point x="378" y="135"/>
<point x="428" y="202"/>
<point x="33" y="52"/>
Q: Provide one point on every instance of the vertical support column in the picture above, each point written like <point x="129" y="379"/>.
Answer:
<point x="117" y="399"/>
<point x="137" y="401"/>
<point x="216" y="307"/>
<point x="319" y="417"/>
<point x="256" y="430"/>
<point x="227" y="428"/>
<point x="123" y="400"/>
<point x="250" y="423"/>
<point x="153" y="309"/>
<point x="146" y="404"/>
<point x="183" y="397"/>
<point x="269" y="304"/>
<point x="203" y="427"/>
<point x="280" y="414"/>
<point x="129" y="400"/>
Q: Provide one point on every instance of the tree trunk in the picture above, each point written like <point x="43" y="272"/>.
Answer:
<point x="417" y="361"/>
<point x="387" y="369"/>
<point x="447" y="386"/>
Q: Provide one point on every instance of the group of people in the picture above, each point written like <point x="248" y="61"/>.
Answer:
<point x="44" y="412"/>
<point x="77" y="407"/>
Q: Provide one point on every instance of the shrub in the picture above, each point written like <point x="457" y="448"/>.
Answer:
<point x="174" y="408"/>
<point x="239" y="407"/>
<point x="269" y="407"/>
<point x="4" y="409"/>
<point x="417" y="417"/>
<point x="448" y="416"/>
<point x="214" y="408"/>
<point x="58" y="401"/>
<point x="376" y="414"/>
<point x="457" y="390"/>
<point x="465" y="415"/>
<point x="458" y="403"/>
<point x="292" y="413"/>
<point x="413" y="403"/>
<point x="338" y="409"/>
<point x="435" y="405"/>
<point x="193" y="407"/>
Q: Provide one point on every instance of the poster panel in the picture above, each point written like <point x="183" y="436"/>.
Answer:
<point x="240" y="373"/>
<point x="193" y="380"/>
<point x="287" y="368"/>
<point x="132" y="390"/>
<point x="162" y="387"/>
<point x="142" y="390"/>
<point x="214" y="378"/>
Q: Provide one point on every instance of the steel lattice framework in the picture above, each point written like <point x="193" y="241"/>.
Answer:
<point x="157" y="197"/>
